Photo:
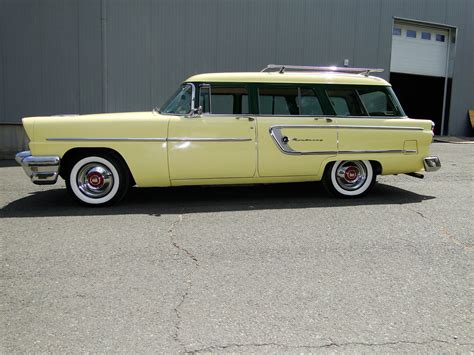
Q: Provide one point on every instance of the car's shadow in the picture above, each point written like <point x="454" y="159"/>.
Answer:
<point x="173" y="200"/>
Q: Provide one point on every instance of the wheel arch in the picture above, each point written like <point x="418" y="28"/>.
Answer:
<point x="74" y="153"/>
<point x="377" y="166"/>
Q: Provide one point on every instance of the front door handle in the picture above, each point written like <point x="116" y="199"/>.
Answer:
<point x="251" y="119"/>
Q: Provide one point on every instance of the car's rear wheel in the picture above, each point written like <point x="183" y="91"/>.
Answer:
<point x="97" y="180"/>
<point x="349" y="178"/>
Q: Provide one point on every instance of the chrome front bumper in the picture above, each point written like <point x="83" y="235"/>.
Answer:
<point x="42" y="170"/>
<point x="431" y="164"/>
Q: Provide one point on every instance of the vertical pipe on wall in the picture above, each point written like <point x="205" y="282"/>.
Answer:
<point x="445" y="91"/>
<point x="103" y="19"/>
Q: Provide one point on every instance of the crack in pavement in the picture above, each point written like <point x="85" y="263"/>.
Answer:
<point x="237" y="345"/>
<point x="456" y="241"/>
<point x="181" y="249"/>
<point x="445" y="232"/>
<point x="329" y="344"/>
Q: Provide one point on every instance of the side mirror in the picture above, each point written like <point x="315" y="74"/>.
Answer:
<point x="195" y="112"/>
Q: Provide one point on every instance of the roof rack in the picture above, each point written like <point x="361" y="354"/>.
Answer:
<point x="281" y="68"/>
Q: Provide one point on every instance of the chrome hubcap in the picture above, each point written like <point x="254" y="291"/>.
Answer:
<point x="95" y="180"/>
<point x="351" y="175"/>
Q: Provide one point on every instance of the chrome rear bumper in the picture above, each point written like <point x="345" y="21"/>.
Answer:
<point x="42" y="170"/>
<point x="431" y="164"/>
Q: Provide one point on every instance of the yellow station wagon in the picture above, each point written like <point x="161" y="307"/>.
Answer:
<point x="284" y="124"/>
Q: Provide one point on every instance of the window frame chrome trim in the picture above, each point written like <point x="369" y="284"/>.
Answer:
<point x="207" y="86"/>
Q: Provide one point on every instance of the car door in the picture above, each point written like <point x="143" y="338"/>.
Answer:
<point x="294" y="135"/>
<point x="219" y="143"/>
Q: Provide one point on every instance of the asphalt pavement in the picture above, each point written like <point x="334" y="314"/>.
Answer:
<point x="265" y="269"/>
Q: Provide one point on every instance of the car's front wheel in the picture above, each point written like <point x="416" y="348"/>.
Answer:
<point x="97" y="180"/>
<point x="349" y="178"/>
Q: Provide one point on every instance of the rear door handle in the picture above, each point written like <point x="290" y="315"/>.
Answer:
<point x="251" y="119"/>
<point x="327" y="119"/>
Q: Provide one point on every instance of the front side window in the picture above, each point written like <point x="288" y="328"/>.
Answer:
<point x="204" y="98"/>
<point x="180" y="102"/>
<point x="226" y="100"/>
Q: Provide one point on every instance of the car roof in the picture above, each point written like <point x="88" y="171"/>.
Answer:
<point x="289" y="78"/>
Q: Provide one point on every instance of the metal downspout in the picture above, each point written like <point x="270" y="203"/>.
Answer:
<point x="103" y="20"/>
<point x="445" y="92"/>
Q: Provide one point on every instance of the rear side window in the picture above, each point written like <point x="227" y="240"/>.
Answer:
<point x="309" y="103"/>
<point x="345" y="102"/>
<point x="289" y="101"/>
<point x="278" y="101"/>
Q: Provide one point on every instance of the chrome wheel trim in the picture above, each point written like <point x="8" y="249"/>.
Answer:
<point x="95" y="180"/>
<point x="351" y="175"/>
<point x="363" y="186"/>
<point x="83" y="197"/>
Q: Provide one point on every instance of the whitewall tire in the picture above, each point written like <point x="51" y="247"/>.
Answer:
<point x="349" y="178"/>
<point x="97" y="180"/>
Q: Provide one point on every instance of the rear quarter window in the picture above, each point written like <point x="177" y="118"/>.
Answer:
<point x="377" y="102"/>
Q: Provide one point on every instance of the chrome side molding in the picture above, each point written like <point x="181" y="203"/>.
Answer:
<point x="172" y="139"/>
<point x="204" y="139"/>
<point x="106" y="139"/>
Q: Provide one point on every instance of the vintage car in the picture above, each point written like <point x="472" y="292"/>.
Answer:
<point x="283" y="124"/>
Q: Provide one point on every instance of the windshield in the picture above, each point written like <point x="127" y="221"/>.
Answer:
<point x="180" y="102"/>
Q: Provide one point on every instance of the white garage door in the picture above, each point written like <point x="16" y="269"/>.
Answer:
<point x="419" y="50"/>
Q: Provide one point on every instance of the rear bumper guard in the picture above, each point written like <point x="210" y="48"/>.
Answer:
<point x="431" y="164"/>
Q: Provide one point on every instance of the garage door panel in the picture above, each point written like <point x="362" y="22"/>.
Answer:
<point x="417" y="55"/>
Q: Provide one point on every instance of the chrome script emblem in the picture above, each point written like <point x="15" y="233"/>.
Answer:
<point x="307" y="140"/>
